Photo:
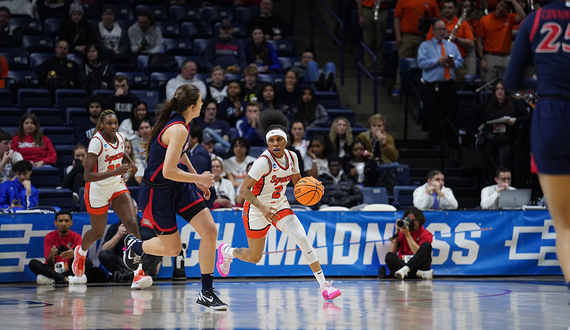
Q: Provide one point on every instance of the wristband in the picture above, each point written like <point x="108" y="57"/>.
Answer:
<point x="314" y="160"/>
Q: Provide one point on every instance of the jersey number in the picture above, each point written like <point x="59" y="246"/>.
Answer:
<point x="112" y="167"/>
<point x="277" y="192"/>
<point x="550" y="44"/>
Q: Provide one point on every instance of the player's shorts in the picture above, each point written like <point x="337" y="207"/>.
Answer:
<point x="550" y="142"/>
<point x="256" y="225"/>
<point x="161" y="203"/>
<point x="97" y="196"/>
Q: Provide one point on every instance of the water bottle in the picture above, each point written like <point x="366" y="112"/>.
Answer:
<point x="179" y="272"/>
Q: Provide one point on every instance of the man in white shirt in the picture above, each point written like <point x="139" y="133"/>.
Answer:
<point x="188" y="70"/>
<point x="490" y="195"/>
<point x="433" y="195"/>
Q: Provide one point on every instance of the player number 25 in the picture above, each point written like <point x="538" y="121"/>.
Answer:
<point x="550" y="43"/>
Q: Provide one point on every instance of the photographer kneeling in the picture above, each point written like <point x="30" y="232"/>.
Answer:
<point x="410" y="250"/>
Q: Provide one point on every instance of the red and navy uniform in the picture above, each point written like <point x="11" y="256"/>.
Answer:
<point x="544" y="35"/>
<point x="161" y="198"/>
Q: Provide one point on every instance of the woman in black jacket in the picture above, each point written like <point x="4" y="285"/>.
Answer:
<point x="95" y="73"/>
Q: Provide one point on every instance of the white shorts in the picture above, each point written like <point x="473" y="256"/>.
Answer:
<point x="256" y="225"/>
<point x="97" y="196"/>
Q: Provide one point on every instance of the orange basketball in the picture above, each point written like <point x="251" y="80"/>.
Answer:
<point x="308" y="191"/>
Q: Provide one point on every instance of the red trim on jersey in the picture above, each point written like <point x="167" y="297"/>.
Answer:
<point x="116" y="138"/>
<point x="283" y="213"/>
<point x="535" y="24"/>
<point x="100" y="151"/>
<point x="191" y="204"/>
<point x="93" y="210"/>
<point x="147" y="212"/>
<point x="284" y="168"/>
<point x="266" y="174"/>
<point x="156" y="172"/>
<point x="164" y="129"/>
<point x="116" y="194"/>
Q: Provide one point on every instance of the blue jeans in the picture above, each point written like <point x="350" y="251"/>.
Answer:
<point x="312" y="71"/>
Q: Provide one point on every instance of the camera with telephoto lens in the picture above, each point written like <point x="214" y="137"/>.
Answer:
<point x="61" y="249"/>
<point x="404" y="222"/>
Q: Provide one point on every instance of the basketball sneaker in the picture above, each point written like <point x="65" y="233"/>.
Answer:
<point x="78" y="265"/>
<point x="77" y="279"/>
<point x="425" y="274"/>
<point x="211" y="300"/>
<point x="224" y="260"/>
<point x="329" y="291"/>
<point x="130" y="257"/>
<point x="141" y="280"/>
<point x="402" y="272"/>
<point x="44" y="280"/>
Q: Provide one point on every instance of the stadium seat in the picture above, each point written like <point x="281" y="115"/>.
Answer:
<point x="169" y="29"/>
<point x="289" y="62"/>
<point x="328" y="99"/>
<point x="256" y="151"/>
<point x="65" y="98"/>
<point x="36" y="59"/>
<point x="158" y="81"/>
<point x="64" y="157"/>
<point x="25" y="79"/>
<point x="82" y="207"/>
<point x="30" y="26"/>
<point x="206" y="78"/>
<point x="271" y="77"/>
<point x="34" y="97"/>
<point x="75" y="116"/>
<point x="151" y="98"/>
<point x="241" y="14"/>
<point x="17" y="58"/>
<point x="178" y="46"/>
<point x="38" y="43"/>
<point x="210" y="15"/>
<point x="123" y="12"/>
<point x="225" y="13"/>
<point x="283" y="47"/>
<point x="466" y="101"/>
<point x="233" y="76"/>
<point x="408" y="72"/>
<point x="62" y="198"/>
<point x="126" y="23"/>
<point x="125" y="67"/>
<point x="75" y="58"/>
<point x="196" y="30"/>
<point x="157" y="11"/>
<point x="6" y="98"/>
<point x="200" y="62"/>
<point x="59" y="135"/>
<point x="134" y="191"/>
<point x="47" y="116"/>
<point x="346" y="113"/>
<point x="484" y="95"/>
<point x="137" y="80"/>
<point x="10" y="116"/>
<point x="103" y="92"/>
<point x="51" y="26"/>
<point x="180" y="14"/>
<point x="401" y="171"/>
<point x="390" y="32"/>
<point x="374" y="195"/>
<point x="404" y="197"/>
<point x="390" y="54"/>
<point x="92" y="10"/>
<point x="45" y="177"/>
<point x="379" y="208"/>
<point x="200" y="46"/>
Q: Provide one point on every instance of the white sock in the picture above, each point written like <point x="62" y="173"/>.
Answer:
<point x="230" y="252"/>
<point x="81" y="252"/>
<point x="320" y="277"/>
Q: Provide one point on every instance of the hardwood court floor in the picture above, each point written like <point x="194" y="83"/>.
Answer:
<point x="488" y="303"/>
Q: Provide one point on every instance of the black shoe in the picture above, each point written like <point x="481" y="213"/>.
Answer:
<point x="210" y="299"/>
<point x="330" y="77"/>
<point x="321" y="77"/>
<point x="130" y="257"/>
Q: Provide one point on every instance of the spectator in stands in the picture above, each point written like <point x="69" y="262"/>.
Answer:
<point x="341" y="136"/>
<point x="113" y="36"/>
<point x="58" y="72"/>
<point x="197" y="153"/>
<point x="208" y="142"/>
<point x="438" y="59"/>
<point x="373" y="23"/>
<point x="4" y="70"/>
<point x="309" y="111"/>
<point x="51" y="8"/>
<point x="433" y="195"/>
<point x="236" y="166"/>
<point x="217" y="89"/>
<point x="58" y="252"/>
<point x="9" y="158"/>
<point x="32" y="144"/>
<point x="187" y="76"/>
<point x="18" y="193"/>
<point x="410" y="248"/>
<point x="74" y="172"/>
<point x="145" y="37"/>
<point x="294" y="150"/>
<point x="470" y="58"/>
<point x="231" y="108"/>
<point x="378" y="142"/>
<point x="361" y="167"/>
<point x="495" y="38"/>
<point x="209" y="120"/>
<point x="95" y="73"/>
<point x="250" y="88"/>
<point x="269" y="99"/>
<point x="10" y="35"/>
<point x="143" y="134"/>
<point x="94" y="106"/>
<point x="411" y="23"/>
<point x="316" y="159"/>
<point x="130" y="126"/>
<point x="122" y="102"/>
<point x="226" y="51"/>
<point x="340" y="190"/>
<point x="289" y="91"/>
<point x="499" y="138"/>
<point x="239" y="198"/>
<point x="247" y="126"/>
<point x="261" y="54"/>
<point x="463" y="38"/>
<point x="490" y="195"/>
<point x="111" y="255"/>
<point x="225" y="191"/>
<point x="130" y="178"/>
<point x="308" y="70"/>
<point x="273" y="25"/>
<point x="76" y="30"/>
<point x="297" y="133"/>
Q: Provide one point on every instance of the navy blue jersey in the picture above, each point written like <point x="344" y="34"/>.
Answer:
<point x="157" y="152"/>
<point x="544" y="34"/>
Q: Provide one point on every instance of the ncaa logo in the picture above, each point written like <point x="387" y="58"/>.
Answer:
<point x="274" y="166"/>
<point x="105" y="145"/>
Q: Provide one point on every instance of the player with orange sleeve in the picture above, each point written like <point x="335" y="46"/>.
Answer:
<point x="266" y="203"/>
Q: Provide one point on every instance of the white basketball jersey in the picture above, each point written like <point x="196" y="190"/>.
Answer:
<point x="109" y="156"/>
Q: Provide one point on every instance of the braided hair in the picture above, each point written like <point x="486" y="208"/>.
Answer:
<point x="101" y="116"/>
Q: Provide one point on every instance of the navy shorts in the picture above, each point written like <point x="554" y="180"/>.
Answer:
<point x="550" y="141"/>
<point x="160" y="206"/>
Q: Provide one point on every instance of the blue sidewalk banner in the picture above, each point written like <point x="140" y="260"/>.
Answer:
<point x="348" y="243"/>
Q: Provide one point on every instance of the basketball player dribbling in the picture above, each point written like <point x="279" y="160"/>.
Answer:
<point x="266" y="204"/>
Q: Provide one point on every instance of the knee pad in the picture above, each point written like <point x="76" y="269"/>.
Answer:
<point x="291" y="226"/>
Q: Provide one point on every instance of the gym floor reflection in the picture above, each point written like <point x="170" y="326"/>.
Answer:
<point x="445" y="303"/>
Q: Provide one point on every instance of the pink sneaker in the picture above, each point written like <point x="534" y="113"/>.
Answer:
<point x="329" y="291"/>
<point x="224" y="260"/>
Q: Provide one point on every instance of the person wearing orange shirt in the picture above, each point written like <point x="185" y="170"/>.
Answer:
<point x="373" y="30"/>
<point x="3" y="71"/>
<point x="410" y="27"/>
<point x="463" y="38"/>
<point x="495" y="38"/>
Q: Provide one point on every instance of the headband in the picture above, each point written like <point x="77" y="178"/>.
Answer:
<point x="276" y="132"/>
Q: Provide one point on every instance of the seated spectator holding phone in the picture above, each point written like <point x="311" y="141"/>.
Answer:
<point x="378" y="141"/>
<point x="58" y="251"/>
<point x="225" y="191"/>
<point x="8" y="158"/>
<point x="490" y="195"/>
<point x="18" y="193"/>
<point x="74" y="178"/>
<point x="433" y="195"/>
<point x="32" y="144"/>
<point x="410" y="247"/>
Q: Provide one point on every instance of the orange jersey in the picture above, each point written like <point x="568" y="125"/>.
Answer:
<point x="410" y="11"/>
<point x="474" y="25"/>
<point x="497" y="32"/>
<point x="464" y="31"/>
<point x="371" y="3"/>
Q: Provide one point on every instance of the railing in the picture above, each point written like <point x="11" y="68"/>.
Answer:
<point x="372" y="75"/>
<point x="338" y="40"/>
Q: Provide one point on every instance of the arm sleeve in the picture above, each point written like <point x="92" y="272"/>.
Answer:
<point x="51" y="155"/>
<point x="488" y="197"/>
<point x="32" y="200"/>
<point x="14" y="145"/>
<point x="158" y="42"/>
<point x="457" y="58"/>
<point x="48" y="243"/>
<point x="522" y="114"/>
<point x="133" y="40"/>
<point x="448" y="202"/>
<point x="272" y="53"/>
<point x="424" y="59"/>
<point x="5" y="198"/>
<point x="260" y="168"/>
<point x="170" y="89"/>
<point x="422" y="200"/>
<point x="389" y="150"/>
